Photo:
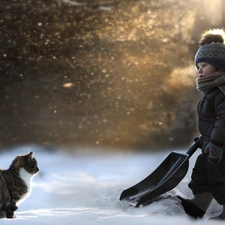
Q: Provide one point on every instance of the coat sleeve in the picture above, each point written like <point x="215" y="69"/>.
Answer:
<point x="218" y="132"/>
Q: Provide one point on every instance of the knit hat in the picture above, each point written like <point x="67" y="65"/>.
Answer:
<point x="212" y="49"/>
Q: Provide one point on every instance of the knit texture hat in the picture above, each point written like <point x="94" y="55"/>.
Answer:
<point x="212" y="49"/>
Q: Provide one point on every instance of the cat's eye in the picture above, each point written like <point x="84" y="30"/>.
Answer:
<point x="33" y="166"/>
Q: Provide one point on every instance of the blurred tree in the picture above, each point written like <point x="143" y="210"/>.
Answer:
<point x="106" y="73"/>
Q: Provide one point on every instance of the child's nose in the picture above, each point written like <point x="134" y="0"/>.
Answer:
<point x="199" y="70"/>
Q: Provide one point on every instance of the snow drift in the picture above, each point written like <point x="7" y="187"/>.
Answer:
<point x="84" y="188"/>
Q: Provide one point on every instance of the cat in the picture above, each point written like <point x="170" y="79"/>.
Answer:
<point x="15" y="183"/>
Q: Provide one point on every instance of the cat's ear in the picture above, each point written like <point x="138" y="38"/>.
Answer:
<point x="31" y="155"/>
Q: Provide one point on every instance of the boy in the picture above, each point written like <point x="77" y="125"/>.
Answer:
<point x="208" y="176"/>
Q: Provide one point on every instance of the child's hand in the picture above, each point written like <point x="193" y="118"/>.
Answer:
<point x="215" y="152"/>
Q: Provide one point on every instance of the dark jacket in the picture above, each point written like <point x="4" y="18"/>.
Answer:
<point x="211" y="113"/>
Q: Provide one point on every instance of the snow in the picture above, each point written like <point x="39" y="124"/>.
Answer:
<point x="84" y="188"/>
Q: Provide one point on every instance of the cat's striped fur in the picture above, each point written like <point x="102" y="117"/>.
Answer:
<point x="15" y="183"/>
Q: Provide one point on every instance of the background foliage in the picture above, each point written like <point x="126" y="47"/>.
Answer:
<point x="102" y="73"/>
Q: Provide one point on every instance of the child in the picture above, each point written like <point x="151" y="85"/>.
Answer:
<point x="208" y="176"/>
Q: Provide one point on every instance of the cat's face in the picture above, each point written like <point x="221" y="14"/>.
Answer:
<point x="27" y="161"/>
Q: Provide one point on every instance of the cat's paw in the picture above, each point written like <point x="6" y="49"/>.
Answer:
<point x="10" y="215"/>
<point x="13" y="207"/>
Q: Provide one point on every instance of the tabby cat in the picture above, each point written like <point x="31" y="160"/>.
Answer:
<point x="15" y="183"/>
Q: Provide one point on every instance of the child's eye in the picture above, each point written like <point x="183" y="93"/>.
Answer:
<point x="205" y="64"/>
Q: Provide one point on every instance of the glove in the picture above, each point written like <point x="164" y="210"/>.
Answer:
<point x="215" y="152"/>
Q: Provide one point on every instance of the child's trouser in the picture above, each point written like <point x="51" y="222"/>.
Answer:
<point x="207" y="177"/>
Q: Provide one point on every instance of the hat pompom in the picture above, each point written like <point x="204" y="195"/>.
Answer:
<point x="210" y="36"/>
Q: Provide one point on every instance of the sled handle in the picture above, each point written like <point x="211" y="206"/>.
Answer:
<point x="195" y="146"/>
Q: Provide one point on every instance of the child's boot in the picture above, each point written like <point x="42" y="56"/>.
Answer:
<point x="197" y="206"/>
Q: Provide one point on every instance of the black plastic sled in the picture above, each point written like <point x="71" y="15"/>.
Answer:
<point x="167" y="176"/>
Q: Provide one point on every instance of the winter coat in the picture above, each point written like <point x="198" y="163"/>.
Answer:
<point x="211" y="116"/>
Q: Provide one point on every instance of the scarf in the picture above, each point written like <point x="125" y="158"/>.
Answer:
<point x="216" y="79"/>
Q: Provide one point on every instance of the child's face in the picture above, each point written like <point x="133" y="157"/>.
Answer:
<point x="204" y="69"/>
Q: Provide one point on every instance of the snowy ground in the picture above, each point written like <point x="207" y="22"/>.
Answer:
<point x="84" y="188"/>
